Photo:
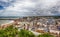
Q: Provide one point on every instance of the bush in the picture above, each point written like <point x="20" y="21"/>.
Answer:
<point x="45" y="35"/>
<point x="26" y="33"/>
<point x="8" y="32"/>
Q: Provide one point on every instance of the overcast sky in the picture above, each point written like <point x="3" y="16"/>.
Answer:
<point x="29" y="7"/>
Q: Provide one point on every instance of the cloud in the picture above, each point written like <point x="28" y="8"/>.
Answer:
<point x="32" y="8"/>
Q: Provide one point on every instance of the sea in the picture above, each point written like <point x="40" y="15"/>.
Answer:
<point x="4" y="21"/>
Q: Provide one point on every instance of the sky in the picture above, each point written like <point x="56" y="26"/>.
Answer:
<point x="29" y="7"/>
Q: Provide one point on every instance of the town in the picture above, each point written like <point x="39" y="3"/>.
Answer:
<point x="36" y="24"/>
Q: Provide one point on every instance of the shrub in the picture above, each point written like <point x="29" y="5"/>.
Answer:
<point x="8" y="32"/>
<point x="45" y="35"/>
<point x="26" y="33"/>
